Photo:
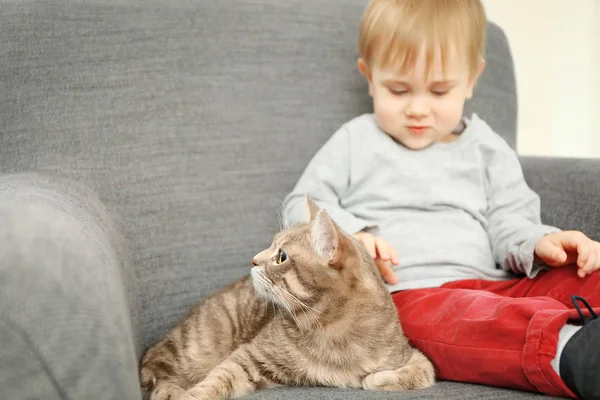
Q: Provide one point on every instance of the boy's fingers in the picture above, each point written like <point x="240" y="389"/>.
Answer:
<point x="387" y="273"/>
<point x="592" y="261"/>
<point x="556" y="253"/>
<point x="369" y="243"/>
<point x="560" y="256"/>
<point x="583" y="253"/>
<point x="551" y="254"/>
<point x="578" y="242"/>
<point x="382" y="249"/>
<point x="395" y="257"/>
<point x="596" y="266"/>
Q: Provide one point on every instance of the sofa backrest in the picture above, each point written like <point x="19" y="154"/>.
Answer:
<point x="190" y="119"/>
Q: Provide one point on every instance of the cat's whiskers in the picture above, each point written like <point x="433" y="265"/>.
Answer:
<point x="277" y="304"/>
<point x="267" y="307"/>
<point x="300" y="302"/>
<point x="273" y="306"/>
<point x="287" y="306"/>
<point x="282" y="297"/>
<point x="277" y="293"/>
<point x="309" y="310"/>
<point x="268" y="286"/>
<point x="280" y="213"/>
<point x="312" y="314"/>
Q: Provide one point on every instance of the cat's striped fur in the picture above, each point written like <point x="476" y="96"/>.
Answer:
<point x="314" y="311"/>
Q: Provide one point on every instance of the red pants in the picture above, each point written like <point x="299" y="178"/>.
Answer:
<point x="497" y="333"/>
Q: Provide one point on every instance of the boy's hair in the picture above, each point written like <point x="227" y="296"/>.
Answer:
<point x="392" y="32"/>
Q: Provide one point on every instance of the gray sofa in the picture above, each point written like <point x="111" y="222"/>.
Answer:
<point x="145" y="147"/>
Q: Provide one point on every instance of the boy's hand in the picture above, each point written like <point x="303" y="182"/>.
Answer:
<point x="382" y="253"/>
<point x="564" y="248"/>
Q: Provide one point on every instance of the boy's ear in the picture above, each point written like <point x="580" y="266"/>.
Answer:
<point x="475" y="78"/>
<point x="362" y="67"/>
<point x="364" y="70"/>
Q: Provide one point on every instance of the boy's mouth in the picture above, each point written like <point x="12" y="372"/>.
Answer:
<point x="417" y="129"/>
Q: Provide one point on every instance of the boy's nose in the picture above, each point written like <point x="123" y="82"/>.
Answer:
<point x="417" y="109"/>
<point x="414" y="112"/>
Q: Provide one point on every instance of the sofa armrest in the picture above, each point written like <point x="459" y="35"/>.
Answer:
<point x="569" y="190"/>
<point x="68" y="303"/>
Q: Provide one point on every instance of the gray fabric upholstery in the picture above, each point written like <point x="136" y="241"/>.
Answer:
<point x="190" y="120"/>
<point x="65" y="326"/>
<point x="495" y="96"/>
<point x="441" y="391"/>
<point x="569" y="190"/>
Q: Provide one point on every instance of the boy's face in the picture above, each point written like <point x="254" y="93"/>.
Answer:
<point x="417" y="110"/>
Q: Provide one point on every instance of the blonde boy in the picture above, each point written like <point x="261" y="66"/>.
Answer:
<point x="482" y="287"/>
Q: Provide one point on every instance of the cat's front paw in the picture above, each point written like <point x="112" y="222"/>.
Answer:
<point x="167" y="392"/>
<point x="380" y="380"/>
<point x="200" y="392"/>
<point x="406" y="378"/>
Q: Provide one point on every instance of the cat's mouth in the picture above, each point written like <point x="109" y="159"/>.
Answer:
<point x="263" y="286"/>
<point x="267" y="290"/>
<point x="284" y="300"/>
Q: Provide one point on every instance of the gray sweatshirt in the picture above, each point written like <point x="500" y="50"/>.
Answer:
<point x="458" y="210"/>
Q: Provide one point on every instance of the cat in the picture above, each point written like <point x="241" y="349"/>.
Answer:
<point x="313" y="311"/>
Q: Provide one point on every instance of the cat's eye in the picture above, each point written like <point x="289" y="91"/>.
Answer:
<point x="281" y="256"/>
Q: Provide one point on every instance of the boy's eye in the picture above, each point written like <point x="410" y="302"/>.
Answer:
<point x="281" y="257"/>
<point x="398" y="92"/>
<point x="440" y="93"/>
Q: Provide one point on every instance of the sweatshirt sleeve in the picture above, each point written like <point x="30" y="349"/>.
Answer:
<point x="326" y="180"/>
<point x="514" y="222"/>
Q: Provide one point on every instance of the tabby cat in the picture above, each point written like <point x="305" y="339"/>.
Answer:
<point x="314" y="311"/>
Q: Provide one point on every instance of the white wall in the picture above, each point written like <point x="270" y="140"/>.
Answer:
<point x="556" y="49"/>
<point x="596" y="69"/>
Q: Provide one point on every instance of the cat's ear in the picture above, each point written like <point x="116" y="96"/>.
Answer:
<point x="326" y="238"/>
<point x="312" y="209"/>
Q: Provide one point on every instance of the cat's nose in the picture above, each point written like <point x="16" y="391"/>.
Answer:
<point x="254" y="264"/>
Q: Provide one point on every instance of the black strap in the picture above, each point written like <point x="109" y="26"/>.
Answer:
<point x="584" y="320"/>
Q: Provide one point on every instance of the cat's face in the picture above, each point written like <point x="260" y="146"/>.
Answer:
<point x="311" y="259"/>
